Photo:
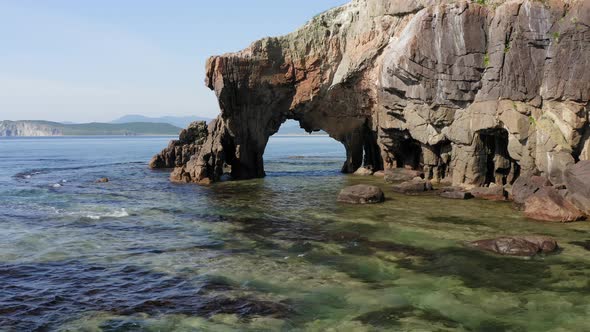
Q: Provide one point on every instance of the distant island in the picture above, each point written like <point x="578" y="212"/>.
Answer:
<point x="128" y="125"/>
<point x="178" y="121"/>
<point x="47" y="128"/>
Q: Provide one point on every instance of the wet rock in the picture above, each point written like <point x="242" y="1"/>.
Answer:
<point x="361" y="194"/>
<point x="363" y="171"/>
<point x="102" y="180"/>
<point x="526" y="186"/>
<point x="528" y="245"/>
<point x="492" y="193"/>
<point x="456" y="195"/>
<point x="577" y="179"/>
<point x="179" y="152"/>
<point x="401" y="174"/>
<point x="415" y="186"/>
<point x="379" y="174"/>
<point x="548" y="204"/>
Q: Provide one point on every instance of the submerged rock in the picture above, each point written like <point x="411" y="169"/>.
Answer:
<point x="415" y="186"/>
<point x="361" y="194"/>
<point x="401" y="175"/>
<point x="456" y="195"/>
<point x="102" y="180"/>
<point x="528" y="245"/>
<point x="548" y="204"/>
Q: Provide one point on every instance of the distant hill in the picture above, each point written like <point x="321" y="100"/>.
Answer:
<point x="178" y="121"/>
<point x="292" y="127"/>
<point x="47" y="128"/>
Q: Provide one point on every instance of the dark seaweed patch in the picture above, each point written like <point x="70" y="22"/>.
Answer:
<point x="390" y="317"/>
<point x="455" y="220"/>
<point x="583" y="244"/>
<point x="480" y="270"/>
<point x="42" y="296"/>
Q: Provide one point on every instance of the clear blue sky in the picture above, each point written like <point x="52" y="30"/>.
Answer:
<point x="78" y="60"/>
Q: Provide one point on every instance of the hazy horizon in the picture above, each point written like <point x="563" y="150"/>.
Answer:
<point x="97" y="61"/>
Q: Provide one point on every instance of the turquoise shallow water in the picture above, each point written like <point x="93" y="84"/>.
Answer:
<point x="142" y="254"/>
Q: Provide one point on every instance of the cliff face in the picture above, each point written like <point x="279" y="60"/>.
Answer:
<point x="28" y="128"/>
<point x="467" y="92"/>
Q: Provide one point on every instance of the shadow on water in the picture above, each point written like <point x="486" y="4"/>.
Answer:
<point x="42" y="296"/>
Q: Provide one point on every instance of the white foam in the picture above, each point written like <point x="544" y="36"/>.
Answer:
<point x="120" y="213"/>
<point x="94" y="215"/>
<point x="57" y="185"/>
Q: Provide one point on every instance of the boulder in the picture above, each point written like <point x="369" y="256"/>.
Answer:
<point x="401" y="174"/>
<point x="361" y="194"/>
<point x="577" y="180"/>
<point x="528" y="245"/>
<point x="526" y="186"/>
<point x="415" y="186"/>
<point x="102" y="180"/>
<point x="456" y="195"/>
<point x="363" y="171"/>
<point x="379" y="174"/>
<point x="492" y="193"/>
<point x="549" y="205"/>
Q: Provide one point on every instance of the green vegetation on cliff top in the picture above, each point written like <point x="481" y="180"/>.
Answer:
<point x="96" y="129"/>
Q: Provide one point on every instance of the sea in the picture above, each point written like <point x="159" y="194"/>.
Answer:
<point x="141" y="253"/>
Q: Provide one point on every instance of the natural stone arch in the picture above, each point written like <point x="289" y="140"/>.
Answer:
<point x="439" y="72"/>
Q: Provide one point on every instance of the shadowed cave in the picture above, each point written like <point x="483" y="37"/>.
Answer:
<point x="360" y="145"/>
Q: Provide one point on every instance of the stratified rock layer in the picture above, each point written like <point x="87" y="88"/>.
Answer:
<point x="474" y="94"/>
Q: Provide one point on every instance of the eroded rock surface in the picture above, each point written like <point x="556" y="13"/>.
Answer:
<point x="179" y="152"/>
<point x="469" y="93"/>
<point x="361" y="194"/>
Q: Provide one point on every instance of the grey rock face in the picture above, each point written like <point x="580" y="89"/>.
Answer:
<point x="361" y="194"/>
<point x="577" y="178"/>
<point x="462" y="92"/>
<point x="526" y="186"/>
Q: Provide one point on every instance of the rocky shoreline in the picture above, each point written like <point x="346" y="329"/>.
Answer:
<point x="491" y="100"/>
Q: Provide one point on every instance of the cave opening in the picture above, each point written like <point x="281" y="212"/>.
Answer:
<point x="496" y="165"/>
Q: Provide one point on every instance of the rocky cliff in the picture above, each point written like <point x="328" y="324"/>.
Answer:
<point x="28" y="128"/>
<point x="473" y="93"/>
